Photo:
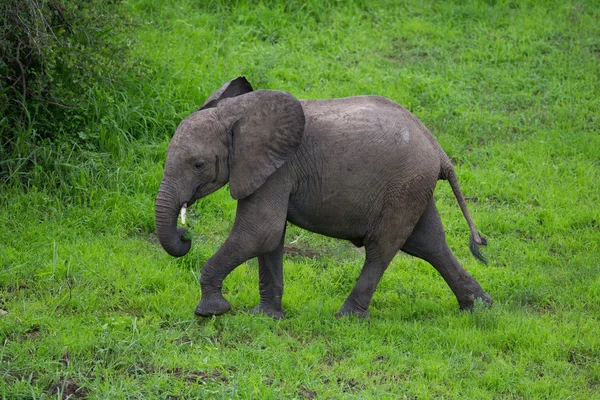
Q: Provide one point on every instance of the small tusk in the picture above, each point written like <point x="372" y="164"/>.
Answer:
<point x="182" y="213"/>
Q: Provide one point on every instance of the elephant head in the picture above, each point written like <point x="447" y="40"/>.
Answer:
<point x="238" y="136"/>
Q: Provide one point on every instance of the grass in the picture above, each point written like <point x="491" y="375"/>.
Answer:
<point x="93" y="307"/>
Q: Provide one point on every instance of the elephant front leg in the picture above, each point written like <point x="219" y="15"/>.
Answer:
<point x="258" y="230"/>
<point x="214" y="272"/>
<point x="270" y="272"/>
<point x="237" y="249"/>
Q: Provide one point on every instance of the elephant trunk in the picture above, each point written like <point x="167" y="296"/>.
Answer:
<point x="166" y="212"/>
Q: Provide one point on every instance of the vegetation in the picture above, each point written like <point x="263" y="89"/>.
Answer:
<point x="91" y="306"/>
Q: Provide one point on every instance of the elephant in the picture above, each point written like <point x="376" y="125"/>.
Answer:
<point x="361" y="168"/>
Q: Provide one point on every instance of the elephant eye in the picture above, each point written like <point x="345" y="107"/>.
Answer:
<point x="198" y="164"/>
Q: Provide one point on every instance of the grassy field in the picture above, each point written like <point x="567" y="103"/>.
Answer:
<point x="91" y="306"/>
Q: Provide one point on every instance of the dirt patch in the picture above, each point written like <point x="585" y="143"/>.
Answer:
<point x="380" y="358"/>
<point x="32" y="334"/>
<point x="381" y="378"/>
<point x="198" y="376"/>
<point x="65" y="360"/>
<point x="305" y="393"/>
<point x="182" y="341"/>
<point x="582" y="355"/>
<point x="69" y="389"/>
<point x="350" y="386"/>
<point x="269" y="381"/>
<point x="299" y="252"/>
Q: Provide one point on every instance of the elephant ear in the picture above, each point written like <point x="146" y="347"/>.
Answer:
<point x="265" y="128"/>
<point x="233" y="88"/>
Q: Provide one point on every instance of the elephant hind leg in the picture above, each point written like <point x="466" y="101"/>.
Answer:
<point x="376" y="262"/>
<point x="428" y="242"/>
<point x="270" y="272"/>
<point x="381" y="246"/>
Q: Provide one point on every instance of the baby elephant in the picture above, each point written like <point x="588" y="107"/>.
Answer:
<point x="360" y="168"/>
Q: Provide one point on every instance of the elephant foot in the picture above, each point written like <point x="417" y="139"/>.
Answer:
<point x="347" y="311"/>
<point x="213" y="305"/>
<point x="469" y="303"/>
<point x="273" y="312"/>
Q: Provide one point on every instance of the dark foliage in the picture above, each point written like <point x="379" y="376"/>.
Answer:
<point x="54" y="54"/>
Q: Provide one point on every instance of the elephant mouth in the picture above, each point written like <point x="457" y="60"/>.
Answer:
<point x="203" y="190"/>
<point x="197" y="194"/>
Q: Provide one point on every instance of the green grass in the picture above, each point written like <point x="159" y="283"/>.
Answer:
<point x="94" y="307"/>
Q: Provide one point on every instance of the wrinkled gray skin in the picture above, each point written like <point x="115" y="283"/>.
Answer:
<point x="361" y="168"/>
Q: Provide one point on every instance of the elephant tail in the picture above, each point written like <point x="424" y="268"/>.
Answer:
<point x="476" y="239"/>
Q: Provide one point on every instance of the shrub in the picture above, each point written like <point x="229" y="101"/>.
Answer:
<point x="57" y="59"/>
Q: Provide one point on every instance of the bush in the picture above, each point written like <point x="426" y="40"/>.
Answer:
<point x="58" y="61"/>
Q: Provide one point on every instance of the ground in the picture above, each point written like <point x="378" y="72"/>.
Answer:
<point x="93" y="307"/>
